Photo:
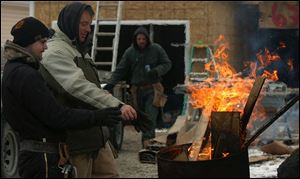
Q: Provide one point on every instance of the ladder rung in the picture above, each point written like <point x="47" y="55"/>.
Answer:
<point x="203" y="60"/>
<point x="103" y="63"/>
<point x="104" y="48"/>
<point x="106" y="34"/>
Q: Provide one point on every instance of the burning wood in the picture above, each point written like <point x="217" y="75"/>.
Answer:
<point x="198" y="139"/>
<point x="258" y="84"/>
<point x="225" y="133"/>
<point x="218" y="136"/>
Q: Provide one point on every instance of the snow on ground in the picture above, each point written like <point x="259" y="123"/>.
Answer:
<point x="266" y="169"/>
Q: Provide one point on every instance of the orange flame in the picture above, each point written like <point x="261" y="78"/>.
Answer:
<point x="231" y="92"/>
<point x="221" y="55"/>
<point x="282" y="45"/>
<point x="273" y="76"/>
<point x="266" y="57"/>
<point x="227" y="95"/>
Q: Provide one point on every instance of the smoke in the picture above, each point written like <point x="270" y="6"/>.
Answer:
<point x="256" y="39"/>
<point x="285" y="127"/>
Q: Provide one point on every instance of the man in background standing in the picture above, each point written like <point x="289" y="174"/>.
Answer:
<point x="143" y="64"/>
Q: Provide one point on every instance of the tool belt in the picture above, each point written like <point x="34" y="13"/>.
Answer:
<point x="143" y="87"/>
<point x="38" y="146"/>
<point x="159" y="99"/>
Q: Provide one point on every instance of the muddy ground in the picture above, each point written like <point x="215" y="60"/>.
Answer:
<point x="128" y="163"/>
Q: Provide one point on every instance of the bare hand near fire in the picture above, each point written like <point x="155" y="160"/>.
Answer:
<point x="128" y="112"/>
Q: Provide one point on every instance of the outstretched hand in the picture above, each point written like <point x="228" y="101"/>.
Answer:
<point x="128" y="112"/>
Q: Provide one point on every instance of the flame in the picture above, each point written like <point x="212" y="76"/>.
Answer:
<point x="230" y="93"/>
<point x="266" y="57"/>
<point x="196" y="154"/>
<point x="282" y="45"/>
<point x="225" y="154"/>
<point x="226" y="95"/>
<point x="221" y="55"/>
<point x="253" y="67"/>
<point x="273" y="76"/>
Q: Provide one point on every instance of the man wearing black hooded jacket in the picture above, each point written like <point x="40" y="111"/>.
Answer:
<point x="68" y="70"/>
<point x="143" y="64"/>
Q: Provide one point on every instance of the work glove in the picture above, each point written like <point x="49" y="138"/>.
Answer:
<point x="109" y="88"/>
<point x="142" y="123"/>
<point x="108" y="116"/>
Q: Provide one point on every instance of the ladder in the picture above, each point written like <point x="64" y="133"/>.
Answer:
<point x="201" y="55"/>
<point x="98" y="35"/>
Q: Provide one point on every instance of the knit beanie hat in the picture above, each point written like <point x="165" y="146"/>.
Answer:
<point x="28" y="31"/>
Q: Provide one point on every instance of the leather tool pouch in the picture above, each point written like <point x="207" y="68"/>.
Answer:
<point x="160" y="98"/>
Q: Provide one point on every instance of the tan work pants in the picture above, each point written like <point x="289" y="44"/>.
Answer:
<point x="104" y="166"/>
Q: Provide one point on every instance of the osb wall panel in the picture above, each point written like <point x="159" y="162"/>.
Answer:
<point x="48" y="11"/>
<point x="208" y="19"/>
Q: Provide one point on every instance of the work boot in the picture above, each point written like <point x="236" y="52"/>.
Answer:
<point x="146" y="143"/>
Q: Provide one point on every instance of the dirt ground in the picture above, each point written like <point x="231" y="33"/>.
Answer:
<point x="128" y="163"/>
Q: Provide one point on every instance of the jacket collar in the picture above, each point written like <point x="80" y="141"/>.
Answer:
<point x="83" y="48"/>
<point x="60" y="35"/>
<point x="13" y="51"/>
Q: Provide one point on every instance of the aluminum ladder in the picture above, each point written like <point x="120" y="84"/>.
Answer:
<point x="115" y="36"/>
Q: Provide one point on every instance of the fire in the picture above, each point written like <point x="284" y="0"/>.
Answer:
<point x="221" y="56"/>
<point x="230" y="93"/>
<point x="226" y="95"/>
<point x="266" y="57"/>
<point x="273" y="76"/>
<point x="225" y="154"/>
<point x="282" y="45"/>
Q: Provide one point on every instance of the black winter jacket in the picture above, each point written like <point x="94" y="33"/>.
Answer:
<point x="29" y="106"/>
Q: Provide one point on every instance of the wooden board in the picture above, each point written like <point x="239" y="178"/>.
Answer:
<point x="258" y="84"/>
<point x="225" y="129"/>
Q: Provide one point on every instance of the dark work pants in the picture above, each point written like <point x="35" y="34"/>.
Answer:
<point x="38" y="165"/>
<point x="145" y="100"/>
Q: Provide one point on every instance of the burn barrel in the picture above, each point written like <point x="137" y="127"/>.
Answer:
<point x="234" y="166"/>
